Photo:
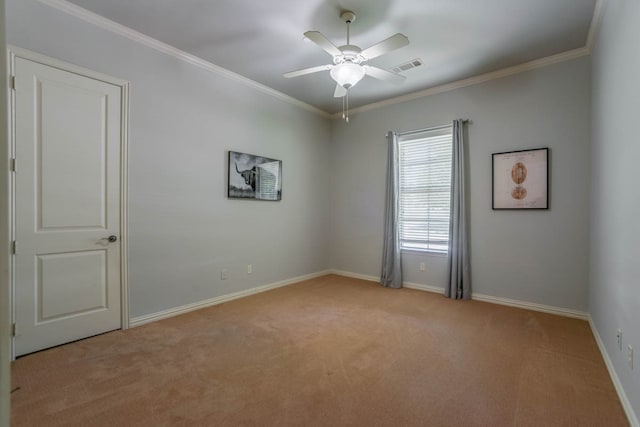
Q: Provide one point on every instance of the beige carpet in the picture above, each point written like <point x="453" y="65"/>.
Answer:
<point x="330" y="351"/>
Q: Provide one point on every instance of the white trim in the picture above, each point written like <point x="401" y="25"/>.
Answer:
<point x="480" y="297"/>
<point x="65" y="66"/>
<point x="16" y="52"/>
<point x="482" y="78"/>
<point x="566" y="312"/>
<point x="148" y="318"/>
<point x="598" y="12"/>
<point x="355" y="275"/>
<point x="409" y="285"/>
<point x="114" y="27"/>
<point x="5" y="231"/>
<point x="11" y="190"/>
<point x="124" y="209"/>
<point x="424" y="252"/>
<point x="425" y="288"/>
<point x="628" y="409"/>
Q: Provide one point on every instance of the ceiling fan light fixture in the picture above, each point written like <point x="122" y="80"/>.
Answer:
<point x="347" y="74"/>
<point x="346" y="69"/>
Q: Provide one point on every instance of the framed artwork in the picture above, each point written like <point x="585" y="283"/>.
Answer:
<point x="254" y="177"/>
<point x="521" y="179"/>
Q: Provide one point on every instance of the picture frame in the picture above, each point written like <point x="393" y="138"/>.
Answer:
<point x="253" y="177"/>
<point x="520" y="179"/>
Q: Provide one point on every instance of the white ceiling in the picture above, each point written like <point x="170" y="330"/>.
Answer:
<point x="261" y="40"/>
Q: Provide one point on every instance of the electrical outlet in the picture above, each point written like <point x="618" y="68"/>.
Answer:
<point x="630" y="356"/>
<point x="249" y="269"/>
<point x="224" y="274"/>
<point x="422" y="266"/>
<point x="619" y="335"/>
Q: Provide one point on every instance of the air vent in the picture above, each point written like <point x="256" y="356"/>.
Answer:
<point x="407" y="65"/>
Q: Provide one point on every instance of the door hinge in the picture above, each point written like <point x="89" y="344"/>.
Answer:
<point x="13" y="330"/>
<point x="12" y="164"/>
<point x="13" y="247"/>
<point x="12" y="82"/>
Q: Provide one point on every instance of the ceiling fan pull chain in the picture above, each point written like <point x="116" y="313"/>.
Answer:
<point x="347" y="96"/>
<point x="343" y="108"/>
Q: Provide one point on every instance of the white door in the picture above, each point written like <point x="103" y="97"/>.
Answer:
<point x="67" y="204"/>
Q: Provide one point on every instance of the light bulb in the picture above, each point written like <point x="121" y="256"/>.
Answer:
<point x="347" y="74"/>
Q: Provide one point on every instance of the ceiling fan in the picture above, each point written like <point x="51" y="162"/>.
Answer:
<point x="349" y="66"/>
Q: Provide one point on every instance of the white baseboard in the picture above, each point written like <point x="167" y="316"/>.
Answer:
<point x="560" y="311"/>
<point x="141" y="320"/>
<point x="355" y="275"/>
<point x="479" y="297"/>
<point x="628" y="409"/>
<point x="421" y="287"/>
<point x="418" y="286"/>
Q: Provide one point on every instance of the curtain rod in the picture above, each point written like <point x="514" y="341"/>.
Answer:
<point x="409" y="132"/>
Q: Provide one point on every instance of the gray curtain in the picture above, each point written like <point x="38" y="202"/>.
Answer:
<point x="391" y="265"/>
<point x="459" y="286"/>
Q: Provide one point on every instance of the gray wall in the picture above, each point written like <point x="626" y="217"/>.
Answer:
<point x="534" y="256"/>
<point x="614" y="298"/>
<point x="183" y="229"/>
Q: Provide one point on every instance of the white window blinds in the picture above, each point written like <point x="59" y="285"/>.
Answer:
<point x="425" y="189"/>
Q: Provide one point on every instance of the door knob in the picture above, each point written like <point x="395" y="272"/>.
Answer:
<point x="111" y="239"/>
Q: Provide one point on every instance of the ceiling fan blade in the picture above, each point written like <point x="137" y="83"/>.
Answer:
<point x="392" y="43"/>
<point x="340" y="91"/>
<point x="381" y="74"/>
<point x="307" y="71"/>
<point x="318" y="38"/>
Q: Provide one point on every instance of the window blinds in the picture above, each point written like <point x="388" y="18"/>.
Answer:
<point x="425" y="189"/>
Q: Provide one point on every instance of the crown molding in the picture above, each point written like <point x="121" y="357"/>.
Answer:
<point x="481" y="78"/>
<point x="114" y="27"/>
<point x="594" y="27"/>
<point x="598" y="12"/>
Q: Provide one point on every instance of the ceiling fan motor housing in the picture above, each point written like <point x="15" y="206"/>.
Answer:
<point x="350" y="53"/>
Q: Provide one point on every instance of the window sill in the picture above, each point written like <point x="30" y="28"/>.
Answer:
<point x="428" y="252"/>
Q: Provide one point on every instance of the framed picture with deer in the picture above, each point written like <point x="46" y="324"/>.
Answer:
<point x="254" y="177"/>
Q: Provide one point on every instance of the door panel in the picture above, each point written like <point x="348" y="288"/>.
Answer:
<point x="67" y="201"/>
<point x="63" y="197"/>
<point x="71" y="284"/>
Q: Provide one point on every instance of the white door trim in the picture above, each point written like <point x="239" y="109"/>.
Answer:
<point x="16" y="52"/>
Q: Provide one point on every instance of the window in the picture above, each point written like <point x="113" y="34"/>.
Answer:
<point x="425" y="189"/>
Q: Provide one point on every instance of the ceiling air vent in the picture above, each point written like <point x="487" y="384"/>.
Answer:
<point x="407" y="65"/>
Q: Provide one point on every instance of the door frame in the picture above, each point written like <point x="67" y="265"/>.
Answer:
<point x="17" y="52"/>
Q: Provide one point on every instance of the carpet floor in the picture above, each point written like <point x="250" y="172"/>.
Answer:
<point x="331" y="351"/>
